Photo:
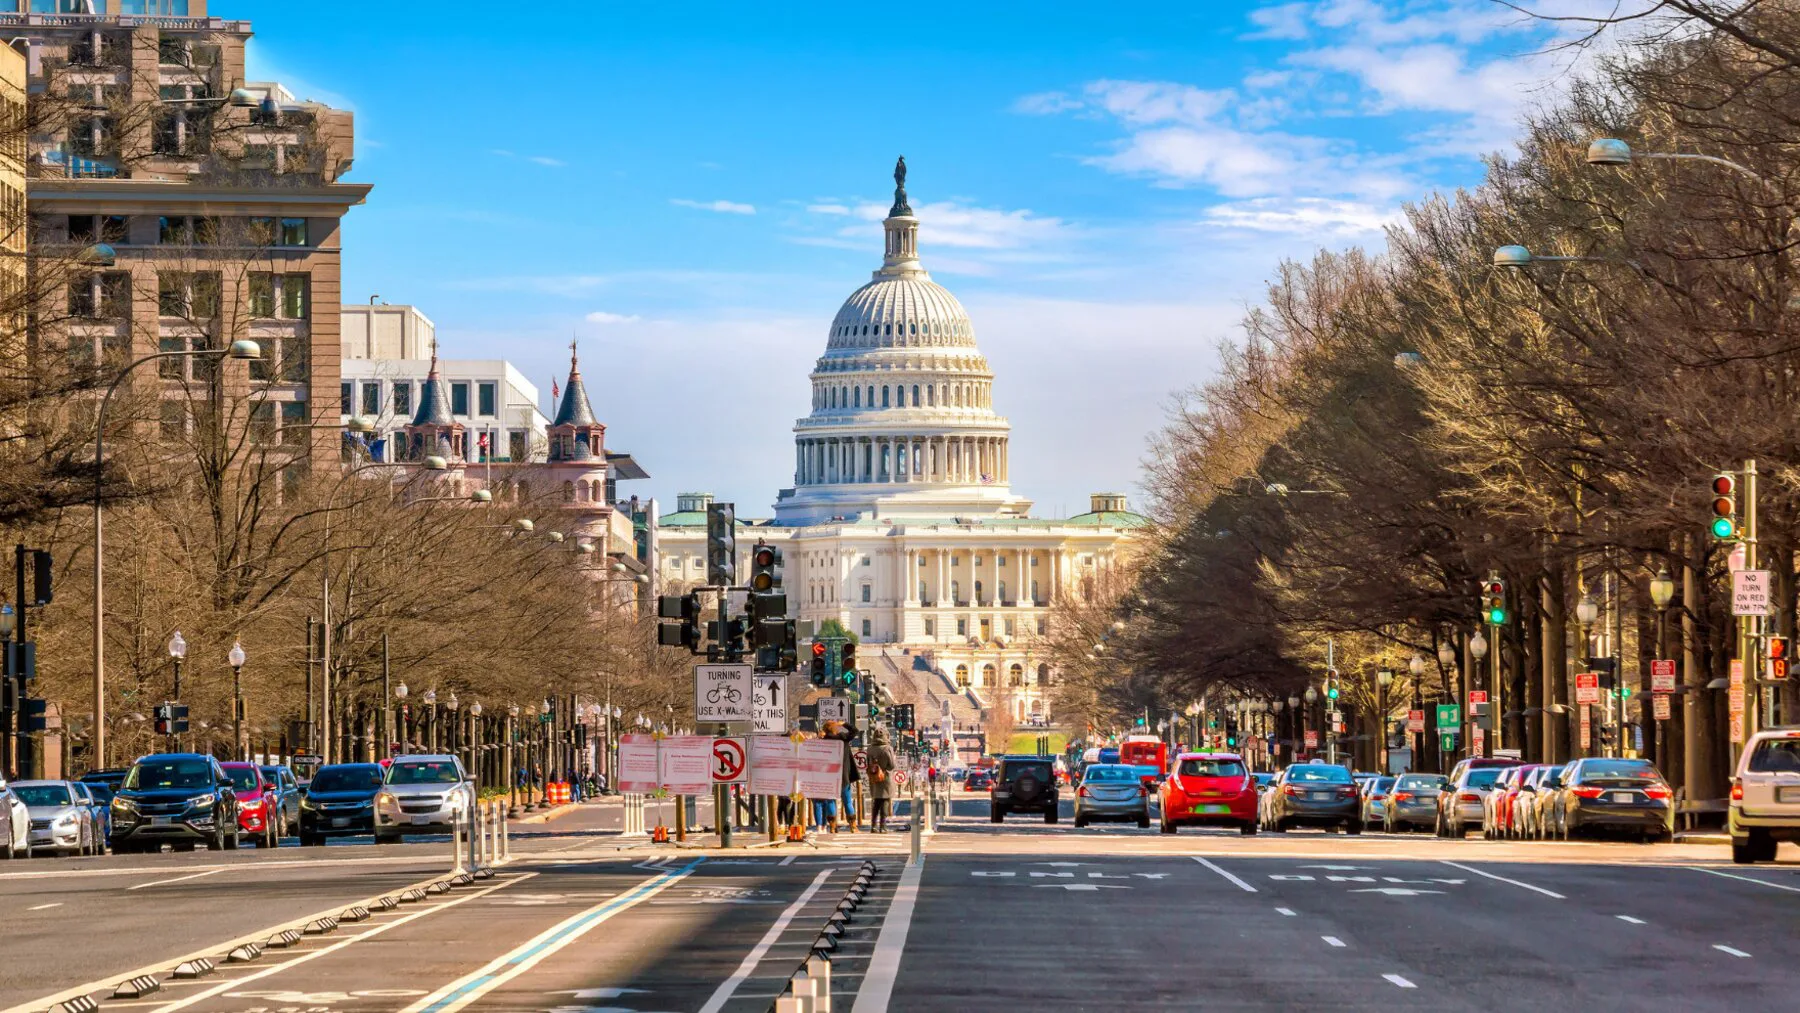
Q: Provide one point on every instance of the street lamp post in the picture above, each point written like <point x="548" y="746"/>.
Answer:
<point x="1383" y="679"/>
<point x="475" y="744"/>
<point x="1587" y="612"/>
<point x="512" y="767"/>
<point x="431" y="719"/>
<point x="1312" y="697"/>
<point x="405" y="736"/>
<point x="1416" y="668"/>
<point x="242" y="349"/>
<point x="177" y="651"/>
<point x="236" y="658"/>
<point x="1478" y="649"/>
<point x="1662" y="592"/>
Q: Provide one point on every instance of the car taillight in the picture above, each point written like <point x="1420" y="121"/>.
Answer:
<point x="1737" y="793"/>
<point x="1144" y="790"/>
<point x="1468" y="796"/>
<point x="1378" y="795"/>
<point x="1348" y="791"/>
<point x="1083" y="792"/>
<point x="1657" y="792"/>
<point x="1289" y="790"/>
<point x="1403" y="796"/>
<point x="1586" y="792"/>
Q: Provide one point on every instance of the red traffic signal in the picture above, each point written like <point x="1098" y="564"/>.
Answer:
<point x="818" y="648"/>
<point x="1777" y="667"/>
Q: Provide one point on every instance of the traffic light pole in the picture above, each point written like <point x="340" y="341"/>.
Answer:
<point x="722" y="814"/>
<point x="1749" y="627"/>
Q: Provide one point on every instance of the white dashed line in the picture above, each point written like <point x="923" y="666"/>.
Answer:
<point x="177" y="879"/>
<point x="1746" y="879"/>
<point x="1734" y="951"/>
<point x="1333" y="940"/>
<point x="45" y="907"/>
<point x="1286" y="911"/>
<point x="1503" y="879"/>
<point x="1628" y="918"/>
<point x="1246" y="887"/>
<point x="1402" y="982"/>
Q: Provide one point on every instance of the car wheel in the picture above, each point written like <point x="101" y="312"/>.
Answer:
<point x="311" y="840"/>
<point x="218" y="840"/>
<point x="1762" y="846"/>
<point x="1050" y="815"/>
<point x="1248" y="829"/>
<point x="1144" y="820"/>
<point x="996" y="814"/>
<point x="1080" y="821"/>
<point x="1743" y="853"/>
<point x="1353" y="827"/>
<point x="6" y="849"/>
<point x="1166" y="827"/>
<point x="232" y="842"/>
<point x="381" y="838"/>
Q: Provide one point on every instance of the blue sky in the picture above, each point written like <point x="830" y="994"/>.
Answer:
<point x="694" y="191"/>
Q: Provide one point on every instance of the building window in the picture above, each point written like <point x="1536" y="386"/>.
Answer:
<point x="174" y="419"/>
<point x="371" y="398"/>
<point x="1015" y="676"/>
<point x="922" y="595"/>
<point x="1034" y="561"/>
<point x="101" y="296"/>
<point x="515" y="445"/>
<point x="292" y="232"/>
<point x="930" y="628"/>
<point x="978" y="599"/>
<point x="1034" y="593"/>
<point x="955" y="560"/>
<point x="347" y="400"/>
<point x="89" y="229"/>
<point x="1009" y="627"/>
<point x="956" y="591"/>
<point x="266" y="231"/>
<point x="962" y="627"/>
<point x="488" y="393"/>
<point x="867" y="593"/>
<point x="191" y="295"/>
<point x="186" y="230"/>
<point x="884" y="397"/>
<point x="868" y="561"/>
<point x="1043" y="626"/>
<point x="296" y="296"/>
<point x="293" y="423"/>
<point x="962" y="671"/>
<point x="868" y="629"/>
<point x="1044" y="675"/>
<point x="459" y="398"/>
<point x="1003" y="590"/>
<point x="262" y="422"/>
<point x="402" y="398"/>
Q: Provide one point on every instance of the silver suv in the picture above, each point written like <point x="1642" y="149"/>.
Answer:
<point x="422" y="795"/>
<point x="1765" y="796"/>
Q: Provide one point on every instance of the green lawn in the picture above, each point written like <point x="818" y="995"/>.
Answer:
<point x="1027" y="742"/>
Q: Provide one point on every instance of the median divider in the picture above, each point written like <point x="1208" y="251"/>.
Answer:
<point x="188" y="970"/>
<point x="809" y="987"/>
<point x="79" y="1004"/>
<point x="136" y="987"/>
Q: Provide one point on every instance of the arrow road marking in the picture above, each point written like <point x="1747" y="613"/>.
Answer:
<point x="1628" y="918"/>
<point x="1402" y="982"/>
<point x="1396" y="891"/>
<point x="1525" y="886"/>
<point x="1080" y="886"/>
<point x="1334" y="941"/>
<point x="1286" y="911"/>
<point x="1246" y="887"/>
<point x="1338" y="868"/>
<point x="1722" y="948"/>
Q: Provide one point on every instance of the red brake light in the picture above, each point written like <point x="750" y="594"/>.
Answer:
<point x="1083" y="792"/>
<point x="1288" y="789"/>
<point x="1144" y="790"/>
<point x="1402" y="796"/>
<point x="1657" y="792"/>
<point x="1349" y="789"/>
<point x="1737" y="793"/>
<point x="1468" y="796"/>
<point x="1585" y="792"/>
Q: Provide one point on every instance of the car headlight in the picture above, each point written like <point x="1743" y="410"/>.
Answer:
<point x="201" y="801"/>
<point x="66" y="819"/>
<point x="307" y="803"/>
<point x="386" y="798"/>
<point x="123" y="804"/>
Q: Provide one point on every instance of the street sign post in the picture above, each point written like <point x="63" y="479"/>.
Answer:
<point x="730" y="760"/>
<point x="1449" y="716"/>
<point x="770" y="705"/>
<point x="1587" y="687"/>
<point x="1735" y="696"/>
<point x="1312" y="739"/>
<point x="1750" y="593"/>
<point x="833" y="708"/>
<point x="723" y="693"/>
<point x="1415" y="721"/>
<point x="1662" y="676"/>
<point x="1660" y="702"/>
<point x="1477" y="696"/>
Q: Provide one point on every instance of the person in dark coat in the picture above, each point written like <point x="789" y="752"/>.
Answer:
<point x="836" y="730"/>
<point x="882" y="762"/>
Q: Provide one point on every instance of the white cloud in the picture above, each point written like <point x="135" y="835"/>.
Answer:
<point x="829" y="209"/>
<point x="724" y="207"/>
<point x="555" y="163"/>
<point x="951" y="223"/>
<point x="1047" y="103"/>
<point x="1308" y="216"/>
<point x="603" y="317"/>
<point x="1282" y="21"/>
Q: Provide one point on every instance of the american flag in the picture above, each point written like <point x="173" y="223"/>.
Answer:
<point x="987" y="479"/>
<point x="555" y="391"/>
<point x="483" y="443"/>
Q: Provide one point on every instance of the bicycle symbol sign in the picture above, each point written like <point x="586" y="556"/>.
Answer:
<point x="723" y="692"/>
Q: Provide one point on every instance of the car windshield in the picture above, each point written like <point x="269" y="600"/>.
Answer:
<point x="1382" y="784"/>
<point x="1484" y="777"/>
<point x="1638" y="769"/>
<point x="271" y="774"/>
<point x="149" y="775"/>
<point x="243" y="778"/>
<point x="43" y="794"/>
<point x="1319" y="773"/>
<point x="1420" y="782"/>
<point x="1776" y="756"/>
<point x="1200" y="766"/>
<point x="101" y="792"/>
<point x="346" y="778"/>
<point x="1098" y="773"/>
<point x="432" y="772"/>
<point x="1041" y="771"/>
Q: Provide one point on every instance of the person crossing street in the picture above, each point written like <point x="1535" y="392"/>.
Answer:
<point x="882" y="762"/>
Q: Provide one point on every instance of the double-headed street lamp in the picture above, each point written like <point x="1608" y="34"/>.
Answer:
<point x="241" y="349"/>
<point x="177" y="651"/>
<point x="236" y="658"/>
<point x="405" y="733"/>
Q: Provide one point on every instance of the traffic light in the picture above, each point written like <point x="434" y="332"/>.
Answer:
<point x="1493" y="600"/>
<point x="817" y="670"/>
<point x="767" y="607"/>
<point x="1777" y="667"/>
<point x="847" y="664"/>
<point x="1331" y="684"/>
<point x="721" y="545"/>
<point x="903" y="718"/>
<point x="171" y="718"/>
<point x="686" y="609"/>
<point x="41" y="572"/>
<point x="763" y="562"/>
<point x="1724" y="506"/>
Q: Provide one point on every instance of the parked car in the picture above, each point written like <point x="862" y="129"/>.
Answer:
<point x="112" y="777"/>
<point x="15" y="824"/>
<point x="1470" y="781"/>
<point x="1209" y="789"/>
<point x="1765" y="796"/>
<point x="1496" y="805"/>
<point x="1528" y="808"/>
<point x="424" y="794"/>
<point x="99" y="803"/>
<point x="1374" y="800"/>
<point x="1413" y="802"/>
<point x="339" y="802"/>
<point x="181" y="799"/>
<point x="1315" y="794"/>
<point x="1023" y="784"/>
<point x="1111" y="791"/>
<point x="1602" y="793"/>
<point x="258" y="808"/>
<point x="61" y="819"/>
<point x="287" y="797"/>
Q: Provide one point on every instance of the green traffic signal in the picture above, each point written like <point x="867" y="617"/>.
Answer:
<point x="1724" y="527"/>
<point x="1331" y="691"/>
<point x="1496" y="616"/>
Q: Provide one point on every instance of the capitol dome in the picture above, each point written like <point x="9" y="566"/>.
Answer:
<point x="902" y="419"/>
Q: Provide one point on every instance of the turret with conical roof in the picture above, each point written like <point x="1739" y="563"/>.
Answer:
<point x="434" y="430"/>
<point x="576" y="435"/>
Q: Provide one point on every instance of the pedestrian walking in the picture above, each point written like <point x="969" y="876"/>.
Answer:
<point x="836" y="730"/>
<point x="882" y="762"/>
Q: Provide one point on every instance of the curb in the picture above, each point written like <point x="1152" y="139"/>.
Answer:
<point x="548" y="815"/>
<point x="1702" y="837"/>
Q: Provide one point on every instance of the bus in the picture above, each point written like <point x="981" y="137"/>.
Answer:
<point x="1149" y="754"/>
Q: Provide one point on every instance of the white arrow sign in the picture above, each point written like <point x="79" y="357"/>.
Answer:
<point x="1080" y="886"/>
<point x="1396" y="891"/>
<point x="1338" y="868"/>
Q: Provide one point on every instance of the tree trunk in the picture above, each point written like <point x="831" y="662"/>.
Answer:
<point x="1530" y="696"/>
<point x="1697" y="702"/>
<point x="1553" y="618"/>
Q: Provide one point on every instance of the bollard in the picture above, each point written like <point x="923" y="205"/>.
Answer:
<point x="802" y="987"/>
<point x="818" y="966"/>
<point x="918" y="826"/>
<point x="456" y="843"/>
<point x="789" y="1004"/>
<point x="505" y="831"/>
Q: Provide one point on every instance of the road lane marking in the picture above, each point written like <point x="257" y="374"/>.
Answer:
<point x="726" y="988"/>
<point x="1246" y="887"/>
<point x="302" y="958"/>
<point x="467" y="989"/>
<point x="1287" y="911"/>
<point x="1628" y="918"/>
<point x="45" y="907"/>
<point x="1333" y="940"/>
<point x="884" y="964"/>
<point x="1745" y="879"/>
<point x="177" y="879"/>
<point x="1402" y="982"/>
<point x="789" y="860"/>
<point x="1734" y="951"/>
<point x="1503" y="879"/>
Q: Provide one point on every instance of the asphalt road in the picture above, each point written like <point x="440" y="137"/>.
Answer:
<point x="1020" y="914"/>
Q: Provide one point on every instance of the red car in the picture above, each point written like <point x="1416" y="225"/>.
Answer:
<point x="1209" y="789"/>
<point x="259" y="810"/>
<point x="978" y="780"/>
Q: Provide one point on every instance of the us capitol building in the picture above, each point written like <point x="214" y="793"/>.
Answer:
<point x="901" y="523"/>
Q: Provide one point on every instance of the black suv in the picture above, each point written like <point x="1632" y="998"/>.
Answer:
<point x="182" y="799"/>
<point x="1024" y="784"/>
